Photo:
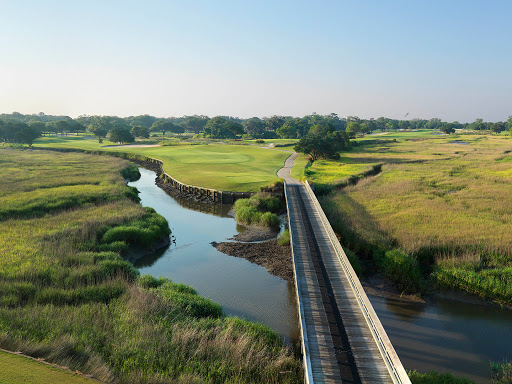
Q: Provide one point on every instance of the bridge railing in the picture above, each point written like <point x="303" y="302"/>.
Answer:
<point x="393" y="363"/>
<point x="308" y="373"/>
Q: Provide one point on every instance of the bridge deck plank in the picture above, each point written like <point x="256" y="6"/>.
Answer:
<point x="368" y="359"/>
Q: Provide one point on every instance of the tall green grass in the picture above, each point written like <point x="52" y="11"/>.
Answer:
<point x="446" y="206"/>
<point x="436" y="378"/>
<point x="258" y="210"/>
<point x="67" y="295"/>
<point x="501" y="372"/>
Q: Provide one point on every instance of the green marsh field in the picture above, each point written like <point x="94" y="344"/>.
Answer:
<point x="436" y="215"/>
<point x="237" y="168"/>
<point x="67" y="294"/>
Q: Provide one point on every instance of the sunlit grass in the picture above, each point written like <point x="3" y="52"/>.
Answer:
<point x="447" y="204"/>
<point x="243" y="168"/>
<point x="19" y="369"/>
<point x="67" y="295"/>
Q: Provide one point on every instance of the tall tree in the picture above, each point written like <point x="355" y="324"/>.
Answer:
<point x="220" y="128"/>
<point x="121" y="135"/>
<point x="38" y="126"/>
<point x="353" y="128"/>
<point x="392" y="124"/>
<point x="254" y="127"/>
<point x="27" y="135"/>
<point x="143" y="120"/>
<point x="288" y="130"/>
<point x="194" y="123"/>
<point x="275" y="122"/>
<point x="140" y="131"/>
<point x="498" y="127"/>
<point x="165" y="126"/>
<point x="99" y="128"/>
<point x="316" y="147"/>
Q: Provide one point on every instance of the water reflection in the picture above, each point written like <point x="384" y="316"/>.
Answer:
<point x="220" y="210"/>
<point x="242" y="288"/>
<point x="447" y="336"/>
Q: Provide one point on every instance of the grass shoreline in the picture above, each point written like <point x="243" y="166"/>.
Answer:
<point x="443" y="207"/>
<point x="68" y="296"/>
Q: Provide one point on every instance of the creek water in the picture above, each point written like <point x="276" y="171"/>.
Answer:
<point x="445" y="335"/>
<point x="242" y="288"/>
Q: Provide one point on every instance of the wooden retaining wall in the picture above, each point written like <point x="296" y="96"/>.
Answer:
<point x="193" y="191"/>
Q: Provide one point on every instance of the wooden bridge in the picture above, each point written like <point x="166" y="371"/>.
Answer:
<point x="343" y="340"/>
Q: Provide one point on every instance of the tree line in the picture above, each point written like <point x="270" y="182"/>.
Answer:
<point x="20" y="128"/>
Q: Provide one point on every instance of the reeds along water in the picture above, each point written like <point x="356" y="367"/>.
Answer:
<point x="67" y="295"/>
<point x="451" y="213"/>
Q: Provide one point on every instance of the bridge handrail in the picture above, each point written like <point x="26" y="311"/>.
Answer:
<point x="308" y="373"/>
<point x="393" y="363"/>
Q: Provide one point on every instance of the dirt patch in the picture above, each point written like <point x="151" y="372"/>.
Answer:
<point x="256" y="233"/>
<point x="276" y="258"/>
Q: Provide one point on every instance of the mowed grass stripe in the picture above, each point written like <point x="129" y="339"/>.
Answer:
<point x="20" y="369"/>
<point x="237" y="168"/>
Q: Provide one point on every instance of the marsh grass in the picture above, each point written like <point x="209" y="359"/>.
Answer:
<point x="258" y="210"/>
<point x="447" y="206"/>
<point x="67" y="295"/>
<point x="501" y="372"/>
<point x="436" y="378"/>
<point x="284" y="239"/>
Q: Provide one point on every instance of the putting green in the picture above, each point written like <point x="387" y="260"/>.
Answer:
<point x="238" y="168"/>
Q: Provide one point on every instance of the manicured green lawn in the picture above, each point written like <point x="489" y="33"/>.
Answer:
<point x="299" y="166"/>
<point x="240" y="168"/>
<point x="19" y="369"/>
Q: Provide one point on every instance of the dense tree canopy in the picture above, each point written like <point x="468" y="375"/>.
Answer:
<point x="18" y="132"/>
<point x="121" y="135"/>
<point x="224" y="127"/>
<point x="220" y="128"/>
<point x="323" y="146"/>
<point x="140" y="131"/>
<point x="255" y="127"/>
<point x="143" y="120"/>
<point x="166" y="126"/>
<point x="194" y="123"/>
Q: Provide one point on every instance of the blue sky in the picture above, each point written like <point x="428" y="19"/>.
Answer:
<point x="447" y="59"/>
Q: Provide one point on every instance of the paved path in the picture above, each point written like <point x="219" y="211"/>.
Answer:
<point x="284" y="173"/>
<point x="342" y="338"/>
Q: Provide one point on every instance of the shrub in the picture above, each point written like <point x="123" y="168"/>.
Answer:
<point x="143" y="232"/>
<point x="354" y="261"/>
<point x="501" y="372"/>
<point x="269" y="219"/>
<point x="265" y="202"/>
<point x="403" y="269"/>
<point x="284" y="239"/>
<point x="131" y="172"/>
<point x="247" y="215"/>
<point x="148" y="281"/>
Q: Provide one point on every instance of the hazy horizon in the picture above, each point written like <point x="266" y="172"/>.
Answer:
<point x="165" y="58"/>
